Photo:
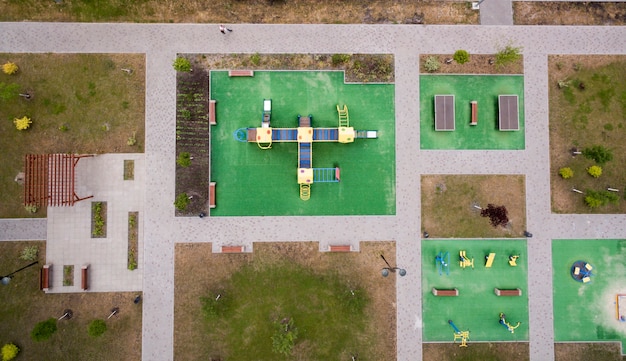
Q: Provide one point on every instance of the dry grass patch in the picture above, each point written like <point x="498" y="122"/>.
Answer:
<point x="200" y="273"/>
<point x="584" y="116"/>
<point x="568" y="13"/>
<point x="478" y="64"/>
<point x="500" y="351"/>
<point x="580" y="351"/>
<point x="448" y="205"/>
<point x="24" y="305"/>
<point x="246" y="11"/>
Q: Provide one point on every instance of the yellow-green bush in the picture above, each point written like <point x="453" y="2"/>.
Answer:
<point x="22" y="123"/>
<point x="594" y="171"/>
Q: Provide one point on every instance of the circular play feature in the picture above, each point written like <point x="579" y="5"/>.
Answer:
<point x="581" y="271"/>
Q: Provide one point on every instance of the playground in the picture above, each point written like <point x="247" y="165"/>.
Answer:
<point x="474" y="286"/>
<point x="255" y="179"/>
<point x="590" y="302"/>
<point x="487" y="132"/>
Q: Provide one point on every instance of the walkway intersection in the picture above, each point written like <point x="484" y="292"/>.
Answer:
<point x="161" y="43"/>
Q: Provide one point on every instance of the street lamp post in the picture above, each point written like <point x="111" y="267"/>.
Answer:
<point x="385" y="271"/>
<point x="6" y="279"/>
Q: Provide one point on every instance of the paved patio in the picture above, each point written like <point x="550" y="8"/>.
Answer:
<point x="161" y="229"/>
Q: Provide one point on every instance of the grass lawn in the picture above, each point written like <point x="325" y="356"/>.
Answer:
<point x="251" y="181"/>
<point x="24" y="305"/>
<point x="476" y="308"/>
<point x="339" y="303"/>
<point x="80" y="103"/>
<point x="447" y="205"/>
<point x="593" y="115"/>
<point x="465" y="88"/>
<point x="587" y="312"/>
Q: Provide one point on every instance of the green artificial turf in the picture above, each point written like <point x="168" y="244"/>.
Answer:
<point x="586" y="311"/>
<point x="251" y="181"/>
<point x="477" y="308"/>
<point x="485" y="90"/>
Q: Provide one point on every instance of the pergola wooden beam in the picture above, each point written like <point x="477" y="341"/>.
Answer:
<point x="50" y="179"/>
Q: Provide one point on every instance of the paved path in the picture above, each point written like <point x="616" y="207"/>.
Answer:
<point x="496" y="12"/>
<point x="161" y="42"/>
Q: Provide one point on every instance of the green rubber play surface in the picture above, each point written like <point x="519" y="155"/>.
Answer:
<point x="485" y="90"/>
<point x="255" y="182"/>
<point x="476" y="308"/>
<point x="587" y="311"/>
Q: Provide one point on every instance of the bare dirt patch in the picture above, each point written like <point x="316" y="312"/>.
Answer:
<point x="607" y="351"/>
<point x="198" y="271"/>
<point x="478" y="64"/>
<point x="568" y="13"/>
<point x="500" y="351"/>
<point x="448" y="205"/>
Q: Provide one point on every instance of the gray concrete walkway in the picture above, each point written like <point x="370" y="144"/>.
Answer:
<point x="161" y="42"/>
<point x="496" y="12"/>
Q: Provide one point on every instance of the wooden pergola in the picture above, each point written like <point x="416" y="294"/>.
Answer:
<point x="50" y="178"/>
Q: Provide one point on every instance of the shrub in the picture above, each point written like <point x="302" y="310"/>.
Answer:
<point x="9" y="351"/>
<point x="337" y="59"/>
<point x="255" y="59"/>
<point x="566" y="172"/>
<point x="9" y="68"/>
<point x="44" y="330"/>
<point x="461" y="56"/>
<point x="182" y="64"/>
<point x="31" y="208"/>
<point x="432" y="64"/>
<point x="594" y="171"/>
<point x="598" y="153"/>
<point x="132" y="140"/>
<point x="22" y="123"/>
<point x="497" y="215"/>
<point x="184" y="159"/>
<point x="181" y="202"/>
<point x="97" y="328"/>
<point x="595" y="199"/>
<point x="285" y="335"/>
<point x="507" y="55"/>
<point x="29" y="253"/>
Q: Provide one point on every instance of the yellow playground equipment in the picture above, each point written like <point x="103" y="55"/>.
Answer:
<point x="459" y="335"/>
<point x="304" y="135"/>
<point x="489" y="260"/>
<point x="513" y="260"/>
<point x="464" y="261"/>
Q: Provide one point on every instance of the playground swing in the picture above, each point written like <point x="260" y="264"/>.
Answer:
<point x="442" y="261"/>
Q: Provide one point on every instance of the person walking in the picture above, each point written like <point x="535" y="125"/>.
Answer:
<point x="224" y="29"/>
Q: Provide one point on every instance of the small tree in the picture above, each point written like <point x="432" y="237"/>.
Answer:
<point x="10" y="68"/>
<point x="566" y="172"/>
<point x="44" y="330"/>
<point x="461" y="56"/>
<point x="182" y="64"/>
<point x="285" y="335"/>
<point x="22" y="123"/>
<point x="9" y="351"/>
<point x="507" y="55"/>
<point x="594" y="171"/>
<point x="184" y="159"/>
<point x="497" y="215"/>
<point x="598" y="153"/>
<point x="9" y="91"/>
<point x="97" y="328"/>
<point x="432" y="64"/>
<point x="181" y="202"/>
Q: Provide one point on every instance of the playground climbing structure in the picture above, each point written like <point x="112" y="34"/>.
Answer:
<point x="304" y="135"/>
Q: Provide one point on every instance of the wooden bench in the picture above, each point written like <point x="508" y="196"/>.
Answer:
<point x="44" y="277"/>
<point x="474" y="104"/>
<point x="84" y="276"/>
<point x="445" y="292"/>
<point x="344" y="248"/>
<point x="212" y="195"/>
<point x="233" y="249"/>
<point x="513" y="292"/>
<point x="212" y="120"/>
<point x="241" y="73"/>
